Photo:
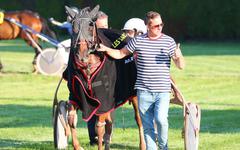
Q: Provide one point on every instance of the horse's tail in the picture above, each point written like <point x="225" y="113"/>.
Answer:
<point x="46" y="29"/>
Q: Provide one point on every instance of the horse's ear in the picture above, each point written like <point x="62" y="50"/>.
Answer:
<point x="71" y="13"/>
<point x="94" y="11"/>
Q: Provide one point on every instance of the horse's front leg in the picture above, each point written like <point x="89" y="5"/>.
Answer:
<point x="142" y="143"/>
<point x="72" y="121"/>
<point x="108" y="132"/>
<point x="75" y="142"/>
<point x="100" y="132"/>
<point x="104" y="120"/>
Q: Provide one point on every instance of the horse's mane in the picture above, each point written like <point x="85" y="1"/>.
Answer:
<point x="35" y="14"/>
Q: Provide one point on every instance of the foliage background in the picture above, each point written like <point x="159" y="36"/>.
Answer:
<point x="184" y="19"/>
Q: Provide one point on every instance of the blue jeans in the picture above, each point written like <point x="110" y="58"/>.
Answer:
<point x="154" y="106"/>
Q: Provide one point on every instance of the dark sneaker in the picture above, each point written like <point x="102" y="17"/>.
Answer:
<point x="94" y="142"/>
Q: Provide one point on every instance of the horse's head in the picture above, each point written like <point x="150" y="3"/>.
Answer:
<point x="84" y="39"/>
<point x="83" y="24"/>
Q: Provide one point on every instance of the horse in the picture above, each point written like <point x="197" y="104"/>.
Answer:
<point x="92" y="88"/>
<point x="31" y="19"/>
<point x="88" y="78"/>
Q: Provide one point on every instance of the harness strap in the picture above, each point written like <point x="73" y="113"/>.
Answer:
<point x="185" y="106"/>
<point x="55" y="100"/>
<point x="98" y="39"/>
<point x="65" y="125"/>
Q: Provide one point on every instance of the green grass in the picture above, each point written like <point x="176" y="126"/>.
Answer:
<point x="211" y="79"/>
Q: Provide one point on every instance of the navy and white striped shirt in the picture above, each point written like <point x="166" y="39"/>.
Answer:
<point x="153" y="62"/>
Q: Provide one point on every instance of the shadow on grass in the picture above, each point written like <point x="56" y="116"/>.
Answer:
<point x="123" y="146"/>
<point x="5" y="73"/>
<point x="48" y="145"/>
<point x="24" y="116"/>
<point x="19" y="45"/>
<point x="18" y="49"/>
<point x="213" y="121"/>
<point x="27" y="116"/>
<point x="18" y="144"/>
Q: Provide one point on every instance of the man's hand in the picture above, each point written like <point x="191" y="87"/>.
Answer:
<point x="117" y="54"/>
<point x="178" y="57"/>
<point x="178" y="52"/>
<point x="102" y="48"/>
<point x="51" y="19"/>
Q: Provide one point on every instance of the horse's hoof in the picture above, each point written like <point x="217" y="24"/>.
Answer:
<point x="107" y="146"/>
<point x="81" y="148"/>
<point x="34" y="71"/>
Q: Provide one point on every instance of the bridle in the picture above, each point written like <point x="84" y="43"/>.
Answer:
<point x="92" y="42"/>
<point x="86" y="34"/>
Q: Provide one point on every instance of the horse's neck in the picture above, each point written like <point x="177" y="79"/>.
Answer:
<point x="82" y="55"/>
<point x="88" y="62"/>
<point x="29" y="12"/>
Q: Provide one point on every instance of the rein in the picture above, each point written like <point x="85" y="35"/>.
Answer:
<point x="82" y="58"/>
<point x="82" y="33"/>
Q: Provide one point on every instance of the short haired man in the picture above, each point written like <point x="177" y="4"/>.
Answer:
<point x="102" y="20"/>
<point x="154" y="53"/>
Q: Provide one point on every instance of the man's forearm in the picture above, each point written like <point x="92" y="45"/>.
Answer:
<point x="114" y="53"/>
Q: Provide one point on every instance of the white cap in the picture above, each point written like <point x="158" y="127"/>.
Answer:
<point x="135" y="23"/>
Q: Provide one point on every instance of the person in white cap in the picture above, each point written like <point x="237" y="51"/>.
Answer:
<point x="134" y="26"/>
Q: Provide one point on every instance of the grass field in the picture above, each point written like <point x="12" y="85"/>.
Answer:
<point x="211" y="79"/>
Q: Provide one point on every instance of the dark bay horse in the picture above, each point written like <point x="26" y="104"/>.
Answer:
<point x="31" y="19"/>
<point x="94" y="79"/>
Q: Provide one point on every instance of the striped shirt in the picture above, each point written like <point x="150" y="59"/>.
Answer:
<point x="153" y="62"/>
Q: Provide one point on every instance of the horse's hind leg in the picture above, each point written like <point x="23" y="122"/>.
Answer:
<point x="34" y="62"/>
<point x="142" y="143"/>
<point x="75" y="142"/>
<point x="32" y="41"/>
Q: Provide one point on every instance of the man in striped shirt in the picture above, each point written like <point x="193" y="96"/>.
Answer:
<point x="154" y="53"/>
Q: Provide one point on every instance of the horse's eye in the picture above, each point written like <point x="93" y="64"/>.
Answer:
<point x="90" y="23"/>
